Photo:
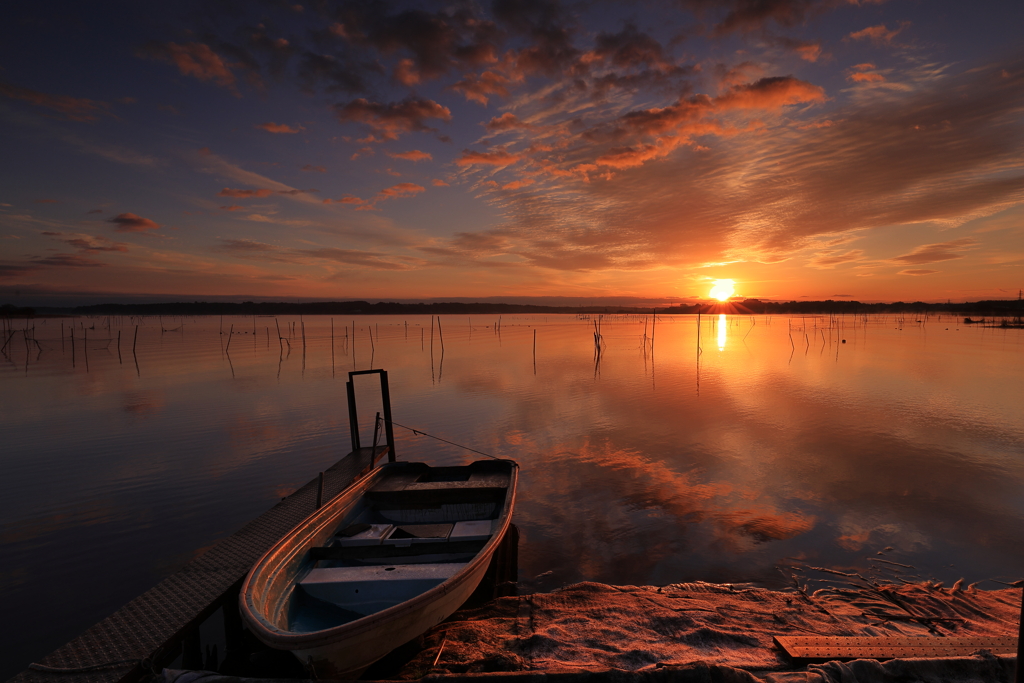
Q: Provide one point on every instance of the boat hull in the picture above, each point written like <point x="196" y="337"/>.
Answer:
<point x="270" y="592"/>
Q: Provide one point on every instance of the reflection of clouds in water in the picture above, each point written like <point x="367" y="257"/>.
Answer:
<point x="858" y="533"/>
<point x="614" y="513"/>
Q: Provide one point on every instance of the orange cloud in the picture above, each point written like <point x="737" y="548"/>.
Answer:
<point x="866" y="77"/>
<point x="354" y="257"/>
<point x="878" y="34"/>
<point x="830" y="259"/>
<point x="500" y="157"/>
<point x="392" y="119"/>
<point x="394" y="192"/>
<point x="89" y="244"/>
<point x="518" y="184"/>
<point x="195" y="59"/>
<point x="629" y="157"/>
<point x="129" y="222"/>
<point x="771" y="93"/>
<point x="932" y="253"/>
<point x="507" y="121"/>
<point x="406" y="72"/>
<point x="401" y="190"/>
<point x="411" y="155"/>
<point x="73" y="108"/>
<point x="437" y="182"/>
<point x="229" y="192"/>
<point x="479" y="88"/>
<point x="347" y="199"/>
<point x="272" y="127"/>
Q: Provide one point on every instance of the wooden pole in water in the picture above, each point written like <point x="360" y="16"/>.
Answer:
<point x="134" y="340"/>
<point x="279" y="344"/>
<point x="440" y="334"/>
<point x="230" y="334"/>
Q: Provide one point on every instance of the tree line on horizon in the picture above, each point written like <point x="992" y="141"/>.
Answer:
<point x="996" y="307"/>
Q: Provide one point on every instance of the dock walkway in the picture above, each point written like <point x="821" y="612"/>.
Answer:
<point x="150" y="629"/>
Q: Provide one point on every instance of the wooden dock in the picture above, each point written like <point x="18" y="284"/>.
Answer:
<point x="150" y="631"/>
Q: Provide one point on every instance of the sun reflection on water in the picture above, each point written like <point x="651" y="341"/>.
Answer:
<point x="721" y="331"/>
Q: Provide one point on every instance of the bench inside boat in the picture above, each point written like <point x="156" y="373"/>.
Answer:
<point x="411" y="531"/>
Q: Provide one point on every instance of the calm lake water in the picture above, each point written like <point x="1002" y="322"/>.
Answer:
<point x="777" y="444"/>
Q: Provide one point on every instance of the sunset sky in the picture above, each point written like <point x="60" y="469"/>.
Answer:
<point x="843" y="149"/>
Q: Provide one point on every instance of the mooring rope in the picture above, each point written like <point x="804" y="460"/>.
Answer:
<point x="420" y="432"/>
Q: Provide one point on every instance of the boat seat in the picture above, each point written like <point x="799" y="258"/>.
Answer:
<point x="377" y="552"/>
<point x="372" y="588"/>
<point x="437" y="493"/>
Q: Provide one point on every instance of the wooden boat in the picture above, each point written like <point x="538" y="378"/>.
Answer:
<point x="390" y="557"/>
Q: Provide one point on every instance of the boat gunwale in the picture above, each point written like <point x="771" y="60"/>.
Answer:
<point x="288" y="547"/>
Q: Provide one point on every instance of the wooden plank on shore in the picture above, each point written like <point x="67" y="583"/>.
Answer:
<point x="830" y="648"/>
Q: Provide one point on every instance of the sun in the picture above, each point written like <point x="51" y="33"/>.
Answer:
<point x="723" y="289"/>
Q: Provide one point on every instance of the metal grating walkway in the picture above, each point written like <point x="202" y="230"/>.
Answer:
<point x="164" y="613"/>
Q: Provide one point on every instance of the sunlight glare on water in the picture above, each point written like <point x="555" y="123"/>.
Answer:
<point x="670" y="453"/>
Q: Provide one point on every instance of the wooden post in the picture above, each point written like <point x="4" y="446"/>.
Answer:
<point x="389" y="430"/>
<point x="353" y="418"/>
<point x="229" y="337"/>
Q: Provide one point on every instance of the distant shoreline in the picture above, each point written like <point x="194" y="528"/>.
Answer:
<point x="999" y="308"/>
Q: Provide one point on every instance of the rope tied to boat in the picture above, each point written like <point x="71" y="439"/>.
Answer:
<point x="420" y="432"/>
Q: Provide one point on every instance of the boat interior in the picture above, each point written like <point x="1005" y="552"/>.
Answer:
<point x="413" y="529"/>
